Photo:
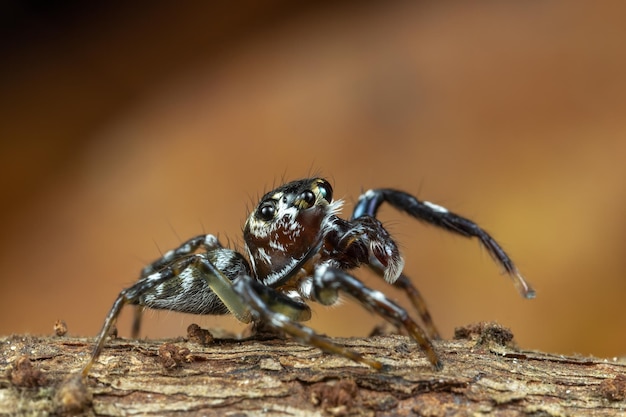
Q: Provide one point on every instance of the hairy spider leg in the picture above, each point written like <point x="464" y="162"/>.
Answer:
<point x="415" y="297"/>
<point x="215" y="279"/>
<point x="268" y="306"/>
<point x="135" y="328"/>
<point x="434" y="214"/>
<point x="207" y="242"/>
<point x="127" y="296"/>
<point x="328" y="281"/>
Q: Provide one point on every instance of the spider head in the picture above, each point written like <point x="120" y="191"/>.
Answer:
<point x="285" y="225"/>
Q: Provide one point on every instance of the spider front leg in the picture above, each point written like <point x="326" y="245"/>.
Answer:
<point x="280" y="312"/>
<point x="434" y="214"/>
<point x="207" y="242"/>
<point x="327" y="283"/>
<point x="405" y="284"/>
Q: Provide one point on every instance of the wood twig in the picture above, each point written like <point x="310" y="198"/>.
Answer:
<point x="484" y="374"/>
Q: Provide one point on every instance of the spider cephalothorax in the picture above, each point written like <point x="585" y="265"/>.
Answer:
<point x="299" y="250"/>
<point x="285" y="225"/>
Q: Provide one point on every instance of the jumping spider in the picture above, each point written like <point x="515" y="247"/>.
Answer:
<point x="299" y="250"/>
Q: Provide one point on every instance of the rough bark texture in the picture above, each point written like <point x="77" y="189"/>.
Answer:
<point x="484" y="374"/>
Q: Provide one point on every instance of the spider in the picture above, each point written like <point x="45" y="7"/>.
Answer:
<point x="298" y="250"/>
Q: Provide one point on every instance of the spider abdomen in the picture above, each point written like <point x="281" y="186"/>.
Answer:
<point x="188" y="292"/>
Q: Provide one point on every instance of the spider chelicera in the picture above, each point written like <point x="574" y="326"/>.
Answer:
<point x="298" y="250"/>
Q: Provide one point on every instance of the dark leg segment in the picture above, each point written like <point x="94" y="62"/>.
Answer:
<point x="328" y="281"/>
<point x="404" y="283"/>
<point x="369" y="203"/>
<point x="136" y="326"/>
<point x="127" y="296"/>
<point x="256" y="295"/>
<point x="206" y="242"/>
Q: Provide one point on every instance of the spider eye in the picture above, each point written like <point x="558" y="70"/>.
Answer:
<point x="266" y="211"/>
<point x="326" y="191"/>
<point x="308" y="197"/>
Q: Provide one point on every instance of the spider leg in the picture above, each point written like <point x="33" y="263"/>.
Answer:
<point x="135" y="328"/>
<point x="281" y="312"/>
<point x="404" y="283"/>
<point x="328" y="281"/>
<point x="127" y="296"/>
<point x="207" y="242"/>
<point x="415" y="297"/>
<point x="434" y="214"/>
<point x="189" y="270"/>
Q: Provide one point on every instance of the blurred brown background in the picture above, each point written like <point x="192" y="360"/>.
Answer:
<point x="128" y="128"/>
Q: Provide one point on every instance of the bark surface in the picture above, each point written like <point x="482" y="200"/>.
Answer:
<point x="484" y="374"/>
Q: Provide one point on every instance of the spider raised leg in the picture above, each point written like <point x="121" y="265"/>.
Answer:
<point x="434" y="214"/>
<point x="439" y="216"/>
<point x="298" y="250"/>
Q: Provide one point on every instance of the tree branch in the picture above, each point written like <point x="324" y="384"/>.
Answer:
<point x="483" y="374"/>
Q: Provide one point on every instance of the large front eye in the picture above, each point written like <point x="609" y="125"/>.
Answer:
<point x="266" y="211"/>
<point x="308" y="198"/>
<point x="326" y="191"/>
